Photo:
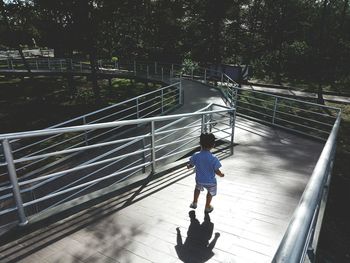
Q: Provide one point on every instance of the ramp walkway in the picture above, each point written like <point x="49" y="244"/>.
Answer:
<point x="132" y="202"/>
<point x="263" y="183"/>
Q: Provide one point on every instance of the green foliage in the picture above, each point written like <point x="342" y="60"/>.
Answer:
<point x="188" y="66"/>
<point x="84" y="96"/>
<point x="283" y="40"/>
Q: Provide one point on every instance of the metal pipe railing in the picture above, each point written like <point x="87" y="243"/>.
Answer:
<point x="296" y="240"/>
<point x="88" y="182"/>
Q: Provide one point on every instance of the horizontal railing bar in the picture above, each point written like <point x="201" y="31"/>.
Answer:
<point x="258" y="112"/>
<point x="83" y="148"/>
<point x="290" y="99"/>
<point x="78" y="168"/>
<point x="261" y="107"/>
<point x="112" y="114"/>
<point x="178" y="129"/>
<point x="303" y="118"/>
<point x="99" y="126"/>
<point x="56" y="144"/>
<point x="298" y="124"/>
<point x="33" y="144"/>
<point x="125" y="177"/>
<point x="175" y="141"/>
<point x="293" y="242"/>
<point x="313" y="112"/>
<point x="82" y="185"/>
<point x="254" y="98"/>
<point x="113" y="162"/>
<point x="8" y="210"/>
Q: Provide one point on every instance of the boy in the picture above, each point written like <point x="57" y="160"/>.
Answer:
<point x="207" y="165"/>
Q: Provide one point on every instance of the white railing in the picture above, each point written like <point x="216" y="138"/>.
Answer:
<point x="118" y="158"/>
<point x="302" y="234"/>
<point x="158" y="102"/>
<point x="306" y="118"/>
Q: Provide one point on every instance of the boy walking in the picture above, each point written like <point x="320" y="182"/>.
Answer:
<point x="207" y="165"/>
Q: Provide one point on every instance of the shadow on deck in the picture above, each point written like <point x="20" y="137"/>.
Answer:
<point x="149" y="221"/>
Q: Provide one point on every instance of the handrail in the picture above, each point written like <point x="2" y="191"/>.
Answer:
<point x="299" y="235"/>
<point x="36" y="133"/>
<point x="296" y="240"/>
<point x="152" y="152"/>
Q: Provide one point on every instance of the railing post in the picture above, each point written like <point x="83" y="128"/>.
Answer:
<point x="162" y="74"/>
<point x="181" y="98"/>
<point x="210" y="119"/>
<point x="155" y="67"/>
<point x="48" y="63"/>
<point x="203" y="124"/>
<point x="137" y="108"/>
<point x="232" y="123"/>
<point x="143" y="155"/>
<point x="85" y="132"/>
<point x="13" y="178"/>
<point x="153" y="149"/>
<point x="191" y="73"/>
<point x="36" y="63"/>
<point x="61" y="65"/>
<point x="205" y="75"/>
<point x="222" y="78"/>
<point x="274" y="110"/>
<point x="162" y="97"/>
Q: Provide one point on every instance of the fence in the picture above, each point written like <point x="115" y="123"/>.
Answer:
<point x="109" y="162"/>
<point x="302" y="117"/>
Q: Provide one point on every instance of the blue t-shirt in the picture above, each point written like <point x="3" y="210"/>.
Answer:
<point x="206" y="164"/>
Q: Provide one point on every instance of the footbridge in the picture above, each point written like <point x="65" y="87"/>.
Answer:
<point x="112" y="186"/>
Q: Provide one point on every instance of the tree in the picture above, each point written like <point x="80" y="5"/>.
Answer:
<point x="16" y="32"/>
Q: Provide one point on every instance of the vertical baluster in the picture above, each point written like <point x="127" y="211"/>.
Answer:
<point x="153" y="145"/>
<point x="13" y="178"/>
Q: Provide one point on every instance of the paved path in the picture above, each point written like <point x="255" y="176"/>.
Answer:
<point x="297" y="94"/>
<point x="263" y="184"/>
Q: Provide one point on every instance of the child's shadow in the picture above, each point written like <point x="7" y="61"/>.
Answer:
<point x="196" y="248"/>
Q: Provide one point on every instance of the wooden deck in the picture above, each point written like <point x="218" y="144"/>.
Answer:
<point x="263" y="184"/>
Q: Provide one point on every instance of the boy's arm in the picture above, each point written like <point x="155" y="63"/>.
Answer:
<point x="189" y="166"/>
<point x="219" y="173"/>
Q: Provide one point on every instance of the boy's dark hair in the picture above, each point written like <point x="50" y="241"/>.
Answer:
<point x="207" y="140"/>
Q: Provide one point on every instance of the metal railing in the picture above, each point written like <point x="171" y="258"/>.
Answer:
<point x="156" y="141"/>
<point x="301" y="236"/>
<point x="302" y="117"/>
<point x="158" y="102"/>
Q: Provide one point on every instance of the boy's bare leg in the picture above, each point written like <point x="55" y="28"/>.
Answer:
<point x="208" y="201"/>
<point x="196" y="195"/>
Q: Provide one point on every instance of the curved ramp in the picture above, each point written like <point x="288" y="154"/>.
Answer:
<point x="263" y="184"/>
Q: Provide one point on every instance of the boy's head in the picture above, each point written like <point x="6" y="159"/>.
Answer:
<point x="207" y="140"/>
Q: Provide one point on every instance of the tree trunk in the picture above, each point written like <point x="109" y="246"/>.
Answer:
<point x="320" y="99"/>
<point x="321" y="65"/>
<point x="16" y="43"/>
<point x="94" y="68"/>
<point x="25" y="62"/>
